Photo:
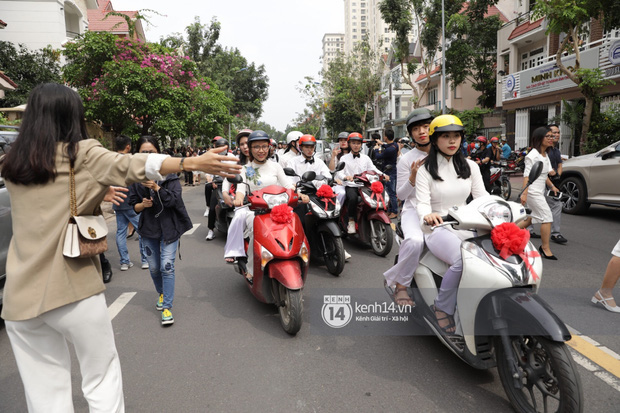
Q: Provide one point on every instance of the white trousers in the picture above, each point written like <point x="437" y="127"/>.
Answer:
<point x="44" y="363"/>
<point x="409" y="252"/>
<point x="340" y="193"/>
<point x="445" y="244"/>
<point x="241" y="226"/>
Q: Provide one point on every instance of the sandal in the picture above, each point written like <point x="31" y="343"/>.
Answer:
<point x="230" y="260"/>
<point x="401" y="297"/>
<point x="249" y="278"/>
<point x="449" y="326"/>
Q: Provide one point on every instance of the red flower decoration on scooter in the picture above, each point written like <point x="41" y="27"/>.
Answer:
<point x="282" y="214"/>
<point x="326" y="194"/>
<point x="377" y="193"/>
<point x="509" y="239"/>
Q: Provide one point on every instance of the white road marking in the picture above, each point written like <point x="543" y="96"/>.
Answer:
<point x="191" y="231"/>
<point x="119" y="304"/>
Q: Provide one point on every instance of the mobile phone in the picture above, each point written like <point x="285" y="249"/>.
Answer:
<point x="551" y="194"/>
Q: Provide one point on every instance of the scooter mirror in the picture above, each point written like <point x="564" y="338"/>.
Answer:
<point x="535" y="171"/>
<point x="308" y="176"/>
<point x="237" y="179"/>
<point x="289" y="172"/>
<point x="339" y="167"/>
<point x="388" y="168"/>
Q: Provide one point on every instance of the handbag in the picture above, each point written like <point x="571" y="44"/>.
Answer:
<point x="86" y="234"/>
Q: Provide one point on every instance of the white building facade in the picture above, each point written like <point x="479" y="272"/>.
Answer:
<point x="333" y="45"/>
<point x="38" y="24"/>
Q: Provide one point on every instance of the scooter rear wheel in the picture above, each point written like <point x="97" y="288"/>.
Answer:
<point x="383" y="238"/>
<point x="550" y="381"/>
<point x="292" y="309"/>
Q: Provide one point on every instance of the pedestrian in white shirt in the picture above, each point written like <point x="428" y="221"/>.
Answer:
<point x="400" y="275"/>
<point x="446" y="180"/>
<point x="355" y="163"/>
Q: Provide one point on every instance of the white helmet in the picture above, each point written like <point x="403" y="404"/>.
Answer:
<point x="293" y="136"/>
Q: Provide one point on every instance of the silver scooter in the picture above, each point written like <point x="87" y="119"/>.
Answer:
<point x="500" y="319"/>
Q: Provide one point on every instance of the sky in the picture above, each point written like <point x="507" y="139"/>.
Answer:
<point x="284" y="35"/>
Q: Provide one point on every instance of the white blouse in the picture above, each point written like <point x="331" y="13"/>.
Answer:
<point x="405" y="191"/>
<point x="262" y="175"/>
<point x="438" y="196"/>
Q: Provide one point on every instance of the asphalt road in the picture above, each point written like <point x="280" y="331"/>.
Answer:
<point x="226" y="352"/>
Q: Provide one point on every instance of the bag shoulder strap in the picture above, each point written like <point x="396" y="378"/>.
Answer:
<point x="72" y="196"/>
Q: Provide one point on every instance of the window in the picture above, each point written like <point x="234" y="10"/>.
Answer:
<point x="432" y="96"/>
<point x="354" y="23"/>
<point x="354" y="30"/>
<point x="362" y="4"/>
<point x="363" y="11"/>
<point x="354" y="36"/>
<point x="363" y="18"/>
<point x="533" y="58"/>
<point x="385" y="30"/>
<point x="363" y="24"/>
<point x="363" y="31"/>
<point x="387" y="50"/>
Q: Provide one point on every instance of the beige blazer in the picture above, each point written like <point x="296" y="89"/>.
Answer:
<point x="39" y="278"/>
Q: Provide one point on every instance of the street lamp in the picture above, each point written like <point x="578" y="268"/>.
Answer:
<point x="443" y="58"/>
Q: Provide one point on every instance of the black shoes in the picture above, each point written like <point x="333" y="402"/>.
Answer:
<point x="549" y="257"/>
<point x="559" y="239"/>
<point x="534" y="235"/>
<point x="106" y="269"/>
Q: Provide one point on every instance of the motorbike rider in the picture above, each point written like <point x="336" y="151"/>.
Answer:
<point x="482" y="157"/>
<point x="260" y="172"/>
<point x="387" y="153"/>
<point x="218" y="143"/>
<point x="308" y="162"/>
<point x="273" y="155"/>
<point x="291" y="148"/>
<point x="446" y="180"/>
<point x="495" y="151"/>
<point x="340" y="151"/>
<point x="399" y="277"/>
<point x="355" y="163"/>
<point x="244" y="152"/>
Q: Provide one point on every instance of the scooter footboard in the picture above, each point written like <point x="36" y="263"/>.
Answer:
<point x="526" y="313"/>
<point x="288" y="273"/>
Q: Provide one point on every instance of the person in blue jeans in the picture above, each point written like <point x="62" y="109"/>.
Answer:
<point x="163" y="219"/>
<point x="125" y="215"/>
<point x="388" y="153"/>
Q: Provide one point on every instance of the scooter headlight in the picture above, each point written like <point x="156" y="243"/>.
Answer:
<point x="304" y="253"/>
<point x="273" y="200"/>
<point x="496" y="213"/>
<point x="318" y="210"/>
<point x="370" y="201"/>
<point x="265" y="257"/>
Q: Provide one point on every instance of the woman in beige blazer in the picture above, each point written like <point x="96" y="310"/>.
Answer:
<point x="50" y="299"/>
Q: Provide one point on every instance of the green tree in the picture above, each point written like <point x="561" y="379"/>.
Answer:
<point x="245" y="83"/>
<point x="401" y="16"/>
<point x="472" y="53"/>
<point x="571" y="18"/>
<point x="351" y="83"/>
<point x="27" y="69"/>
<point x="131" y="88"/>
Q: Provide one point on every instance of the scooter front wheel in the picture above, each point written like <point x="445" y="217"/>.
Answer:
<point x="381" y="237"/>
<point x="291" y="309"/>
<point x="506" y="189"/>
<point x="334" y="252"/>
<point x="550" y="380"/>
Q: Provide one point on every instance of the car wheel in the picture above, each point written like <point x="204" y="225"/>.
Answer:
<point x="576" y="195"/>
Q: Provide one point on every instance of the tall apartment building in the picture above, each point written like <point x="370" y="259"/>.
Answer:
<point x="363" y="18"/>
<point x="333" y="43"/>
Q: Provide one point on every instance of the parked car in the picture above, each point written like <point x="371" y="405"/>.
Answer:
<point x="6" y="229"/>
<point x="591" y="179"/>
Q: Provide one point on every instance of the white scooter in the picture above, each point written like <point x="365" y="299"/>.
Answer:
<point x="500" y="320"/>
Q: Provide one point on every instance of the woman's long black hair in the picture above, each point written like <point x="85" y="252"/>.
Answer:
<point x="54" y="113"/>
<point x="458" y="159"/>
<point x="538" y="136"/>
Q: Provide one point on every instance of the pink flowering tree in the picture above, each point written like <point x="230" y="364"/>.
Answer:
<point x="139" y="89"/>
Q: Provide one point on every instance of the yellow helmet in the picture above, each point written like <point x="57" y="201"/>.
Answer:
<point x="445" y="123"/>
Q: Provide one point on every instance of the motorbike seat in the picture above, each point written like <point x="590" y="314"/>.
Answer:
<point x="433" y="263"/>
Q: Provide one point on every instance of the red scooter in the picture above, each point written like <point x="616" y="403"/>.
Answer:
<point x="280" y="253"/>
<point x="372" y="224"/>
